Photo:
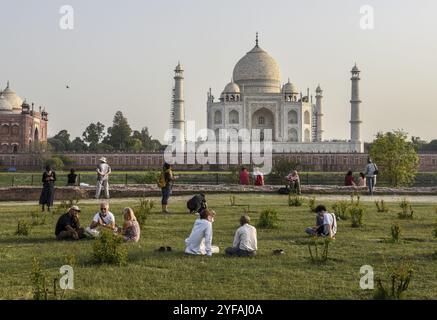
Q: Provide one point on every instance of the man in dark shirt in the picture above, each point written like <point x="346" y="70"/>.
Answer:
<point x="68" y="225"/>
<point x="72" y="178"/>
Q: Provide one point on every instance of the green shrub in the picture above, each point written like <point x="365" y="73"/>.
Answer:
<point x="398" y="281"/>
<point x="407" y="210"/>
<point x="232" y="200"/>
<point x="381" y="206"/>
<point x="312" y="204"/>
<point x="341" y="209"/>
<point x="395" y="232"/>
<point x="23" y="228"/>
<point x="65" y="205"/>
<point x="294" y="201"/>
<point x="356" y="212"/>
<point x="319" y="255"/>
<point x="38" y="218"/>
<point x="268" y="219"/>
<point x="108" y="248"/>
<point x="143" y="210"/>
<point x="39" y="281"/>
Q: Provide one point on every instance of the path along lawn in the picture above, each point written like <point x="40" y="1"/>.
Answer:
<point x="172" y="275"/>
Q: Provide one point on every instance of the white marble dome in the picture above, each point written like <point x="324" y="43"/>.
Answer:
<point x="5" y="106"/>
<point x="289" y="88"/>
<point x="12" y="98"/>
<point x="258" y="72"/>
<point x="232" y="87"/>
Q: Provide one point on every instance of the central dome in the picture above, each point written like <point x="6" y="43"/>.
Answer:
<point x="257" y="71"/>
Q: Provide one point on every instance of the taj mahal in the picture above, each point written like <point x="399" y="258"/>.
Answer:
<point x="256" y="99"/>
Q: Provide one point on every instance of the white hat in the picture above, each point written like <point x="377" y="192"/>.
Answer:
<point x="102" y="159"/>
<point x="75" y="208"/>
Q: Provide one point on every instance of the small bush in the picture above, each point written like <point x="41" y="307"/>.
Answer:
<point x="356" y="212"/>
<point x="23" y="228"/>
<point x="39" y="281"/>
<point x="319" y="255"/>
<point x="341" y="209"/>
<point x="407" y="210"/>
<point x="70" y="259"/>
<point x="38" y="218"/>
<point x="398" y="281"/>
<point x="268" y="219"/>
<point x="294" y="201"/>
<point x="381" y="206"/>
<point x="232" y="200"/>
<point x="108" y="248"/>
<point x="143" y="210"/>
<point x="65" y="205"/>
<point x="312" y="204"/>
<point x="357" y="195"/>
<point x="395" y="232"/>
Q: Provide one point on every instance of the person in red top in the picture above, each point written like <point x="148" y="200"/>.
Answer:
<point x="349" y="179"/>
<point x="244" y="176"/>
<point x="259" y="177"/>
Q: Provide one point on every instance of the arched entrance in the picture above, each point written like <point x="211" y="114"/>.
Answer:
<point x="36" y="135"/>
<point x="264" y="119"/>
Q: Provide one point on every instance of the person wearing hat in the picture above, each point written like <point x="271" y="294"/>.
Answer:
<point x="103" y="172"/>
<point x="68" y="225"/>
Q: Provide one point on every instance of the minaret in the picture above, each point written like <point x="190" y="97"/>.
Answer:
<point x="355" y="106"/>
<point x="319" y="114"/>
<point x="178" y="105"/>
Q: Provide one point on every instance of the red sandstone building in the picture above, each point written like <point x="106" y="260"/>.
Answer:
<point x="21" y="127"/>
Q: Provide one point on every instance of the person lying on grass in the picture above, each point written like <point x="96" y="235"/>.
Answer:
<point x="326" y="224"/>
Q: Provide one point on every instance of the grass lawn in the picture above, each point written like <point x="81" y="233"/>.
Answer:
<point x="172" y="275"/>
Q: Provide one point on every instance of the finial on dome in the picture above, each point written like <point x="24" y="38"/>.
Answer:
<point x="7" y="86"/>
<point x="256" y="41"/>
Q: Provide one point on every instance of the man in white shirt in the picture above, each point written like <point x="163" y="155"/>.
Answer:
<point x="103" y="172"/>
<point x="200" y="239"/>
<point x="245" y="241"/>
<point x="102" y="219"/>
<point x="326" y="224"/>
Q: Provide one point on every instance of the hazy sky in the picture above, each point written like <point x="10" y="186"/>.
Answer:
<point x="121" y="56"/>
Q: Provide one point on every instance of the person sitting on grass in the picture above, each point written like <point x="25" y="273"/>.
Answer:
<point x="349" y="179"/>
<point x="131" y="228"/>
<point x="68" y="225"/>
<point x="200" y="240"/>
<point x="197" y="203"/>
<point x="362" y="180"/>
<point x="102" y="219"/>
<point x="245" y="241"/>
<point x="326" y="224"/>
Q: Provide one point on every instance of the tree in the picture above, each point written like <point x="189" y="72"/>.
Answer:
<point x="148" y="143"/>
<point x="396" y="157"/>
<point x="77" y="145"/>
<point x="61" y="141"/>
<point x="119" y="134"/>
<point x="283" y="167"/>
<point x="93" y="134"/>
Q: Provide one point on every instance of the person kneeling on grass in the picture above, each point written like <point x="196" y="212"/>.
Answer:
<point x="200" y="239"/>
<point x="131" y="228"/>
<point x="197" y="203"/>
<point x="326" y="224"/>
<point x="68" y="225"/>
<point x="245" y="242"/>
<point x="102" y="219"/>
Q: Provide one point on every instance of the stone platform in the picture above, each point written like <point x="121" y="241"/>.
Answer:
<point x="132" y="191"/>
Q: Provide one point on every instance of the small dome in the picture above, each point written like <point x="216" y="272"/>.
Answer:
<point x="12" y="98"/>
<point x="232" y="87"/>
<point x="4" y="104"/>
<point x="289" y="88"/>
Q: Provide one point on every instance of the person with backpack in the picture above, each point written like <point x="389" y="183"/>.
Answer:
<point x="165" y="182"/>
<point x="371" y="171"/>
<point x="197" y="203"/>
<point x="326" y="224"/>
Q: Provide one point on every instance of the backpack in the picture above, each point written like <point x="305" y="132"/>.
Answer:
<point x="161" y="180"/>
<point x="284" y="190"/>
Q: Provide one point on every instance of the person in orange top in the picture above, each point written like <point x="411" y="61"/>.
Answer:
<point x="244" y="176"/>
